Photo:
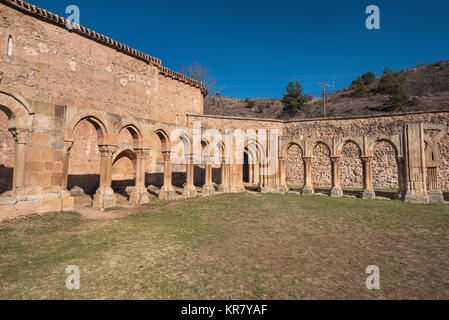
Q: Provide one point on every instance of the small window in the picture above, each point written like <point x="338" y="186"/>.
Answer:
<point x="10" y="46"/>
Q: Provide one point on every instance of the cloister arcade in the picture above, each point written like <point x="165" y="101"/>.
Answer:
<point x="117" y="154"/>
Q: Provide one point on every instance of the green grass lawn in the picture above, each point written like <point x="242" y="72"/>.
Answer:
<point x="233" y="246"/>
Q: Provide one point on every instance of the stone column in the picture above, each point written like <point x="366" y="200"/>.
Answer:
<point x="263" y="185"/>
<point x="190" y="189"/>
<point x="140" y="195"/>
<point x="65" y="164"/>
<point x="225" y="182"/>
<point x="250" y="173"/>
<point x="307" y="190"/>
<point x="67" y="201"/>
<point x="18" y="183"/>
<point x="105" y="197"/>
<point x="368" y="190"/>
<point x="208" y="187"/>
<point x="281" y="175"/>
<point x="401" y="178"/>
<point x="336" y="191"/>
<point x="435" y="195"/>
<point x="167" y="190"/>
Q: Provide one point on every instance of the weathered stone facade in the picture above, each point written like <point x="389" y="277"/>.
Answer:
<point x="81" y="112"/>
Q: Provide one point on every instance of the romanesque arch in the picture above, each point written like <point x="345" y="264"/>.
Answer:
<point x="160" y="148"/>
<point x="86" y="134"/>
<point x="123" y="171"/>
<point x="351" y="164"/>
<point x="387" y="166"/>
<point x="17" y="119"/>
<point x="294" y="171"/>
<point x="321" y="164"/>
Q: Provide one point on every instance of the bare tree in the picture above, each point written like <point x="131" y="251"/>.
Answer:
<point x="198" y="72"/>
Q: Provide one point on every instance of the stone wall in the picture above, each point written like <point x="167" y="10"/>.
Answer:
<point x="384" y="158"/>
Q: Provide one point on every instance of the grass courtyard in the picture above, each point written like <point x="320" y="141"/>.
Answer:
<point x="232" y="246"/>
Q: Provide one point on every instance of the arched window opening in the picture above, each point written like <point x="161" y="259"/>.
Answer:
<point x="10" y="46"/>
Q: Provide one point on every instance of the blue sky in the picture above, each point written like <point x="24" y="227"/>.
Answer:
<point x="254" y="47"/>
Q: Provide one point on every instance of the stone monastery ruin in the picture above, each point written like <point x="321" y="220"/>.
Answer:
<point x="79" y="110"/>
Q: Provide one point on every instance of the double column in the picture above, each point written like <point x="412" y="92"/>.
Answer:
<point x="167" y="190"/>
<point x="208" y="187"/>
<point x="281" y="185"/>
<point x="18" y="183"/>
<point x="105" y="197"/>
<point x="307" y="190"/>
<point x="190" y="189"/>
<point x="336" y="191"/>
<point x="368" y="190"/>
<point x="225" y="175"/>
<point x="140" y="195"/>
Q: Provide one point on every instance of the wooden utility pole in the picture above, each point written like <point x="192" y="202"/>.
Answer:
<point x="324" y="84"/>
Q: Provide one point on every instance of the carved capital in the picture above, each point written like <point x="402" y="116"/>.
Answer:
<point x="307" y="160"/>
<point x="20" y="135"/>
<point x="367" y="160"/>
<point x="106" y="150"/>
<point x="166" y="155"/>
<point x="141" y="153"/>
<point x="335" y="160"/>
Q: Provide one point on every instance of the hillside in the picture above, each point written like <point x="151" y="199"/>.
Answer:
<point x="427" y="86"/>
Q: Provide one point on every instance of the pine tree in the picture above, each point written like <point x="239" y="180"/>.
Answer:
<point x="359" y="88"/>
<point x="294" y="100"/>
<point x="391" y="84"/>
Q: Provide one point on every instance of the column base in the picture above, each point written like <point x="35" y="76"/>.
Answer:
<point x="435" y="196"/>
<point x="167" y="193"/>
<point x="104" y="198"/>
<point x="237" y="189"/>
<point x="307" y="191"/>
<point x="208" y="190"/>
<point x="283" y="189"/>
<point x="416" y="197"/>
<point x="278" y="188"/>
<point x="224" y="188"/>
<point x="264" y="189"/>
<point x="336" y="192"/>
<point x="190" y="191"/>
<point x="400" y="195"/>
<point x="368" y="194"/>
<point x="139" y="197"/>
